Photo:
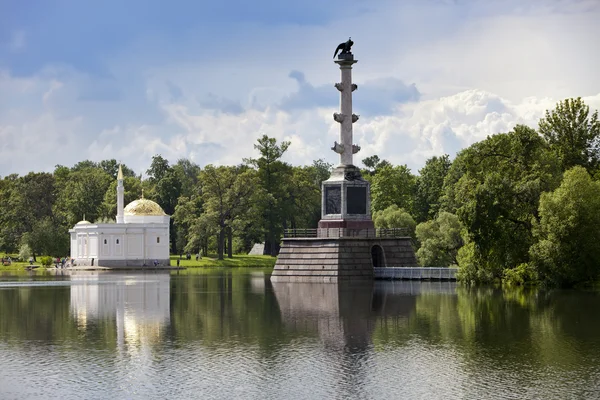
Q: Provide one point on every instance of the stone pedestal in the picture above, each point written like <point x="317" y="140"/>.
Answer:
<point x="336" y="259"/>
<point x="345" y="201"/>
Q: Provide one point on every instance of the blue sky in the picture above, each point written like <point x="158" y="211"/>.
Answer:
<point x="203" y="80"/>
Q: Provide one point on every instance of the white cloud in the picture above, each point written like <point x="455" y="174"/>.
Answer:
<point x="514" y="55"/>
<point x="481" y="69"/>
<point x="446" y="125"/>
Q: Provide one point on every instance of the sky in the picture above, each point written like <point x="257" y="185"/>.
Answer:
<point x="197" y="79"/>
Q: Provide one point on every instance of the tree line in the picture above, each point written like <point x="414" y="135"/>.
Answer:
<point x="516" y="207"/>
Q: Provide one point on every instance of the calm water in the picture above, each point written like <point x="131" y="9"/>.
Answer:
<point x="233" y="335"/>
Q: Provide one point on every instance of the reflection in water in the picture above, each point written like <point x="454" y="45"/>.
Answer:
<point x="139" y="304"/>
<point x="222" y="334"/>
<point x="339" y="313"/>
<point x="343" y="314"/>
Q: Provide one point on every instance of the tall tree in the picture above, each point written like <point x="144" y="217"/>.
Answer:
<point x="11" y="226"/>
<point x="321" y="170"/>
<point x="111" y="167"/>
<point x="430" y="184"/>
<point x="159" y="167"/>
<point x="85" y="164"/>
<point x="25" y="200"/>
<point x="373" y="164"/>
<point x="573" y="134"/>
<point x="187" y="211"/>
<point x="496" y="198"/>
<point x="274" y="176"/>
<point x="165" y="188"/>
<point x="227" y="192"/>
<point x="393" y="186"/>
<point x="305" y="198"/>
<point x="81" y="194"/>
<point x="47" y="238"/>
<point x="188" y="174"/>
<point x="568" y="233"/>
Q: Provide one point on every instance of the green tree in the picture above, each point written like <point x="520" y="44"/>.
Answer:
<point x="440" y="240"/>
<point x="430" y="184"/>
<point x="573" y="134"/>
<point x="111" y="167"/>
<point x="158" y="168"/>
<point x="321" y="171"/>
<point x="304" y="192"/>
<point x="133" y="191"/>
<point x="48" y="238"/>
<point x="373" y="164"/>
<point x="24" y="201"/>
<point x="201" y="230"/>
<point x="394" y="217"/>
<point x="187" y="173"/>
<point x="81" y="193"/>
<point x="568" y="233"/>
<point x="227" y="192"/>
<point x="274" y="176"/>
<point x="494" y="190"/>
<point x="165" y="187"/>
<point x="11" y="226"/>
<point x="393" y="186"/>
<point x="187" y="211"/>
<point x="85" y="164"/>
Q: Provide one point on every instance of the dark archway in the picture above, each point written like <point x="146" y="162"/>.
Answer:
<point x="377" y="256"/>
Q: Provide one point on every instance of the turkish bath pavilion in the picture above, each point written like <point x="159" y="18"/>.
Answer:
<point x="140" y="236"/>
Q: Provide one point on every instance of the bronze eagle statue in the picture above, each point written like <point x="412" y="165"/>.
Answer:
<point x="344" y="47"/>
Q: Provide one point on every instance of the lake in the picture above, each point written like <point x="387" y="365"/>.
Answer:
<point x="223" y="334"/>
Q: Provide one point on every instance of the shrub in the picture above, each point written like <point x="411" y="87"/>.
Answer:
<point x="521" y="275"/>
<point x="46" y="261"/>
<point x="24" y="252"/>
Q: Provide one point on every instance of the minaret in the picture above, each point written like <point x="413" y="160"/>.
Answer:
<point x="120" y="197"/>
<point x="346" y="196"/>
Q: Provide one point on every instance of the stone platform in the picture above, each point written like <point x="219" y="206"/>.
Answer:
<point x="334" y="259"/>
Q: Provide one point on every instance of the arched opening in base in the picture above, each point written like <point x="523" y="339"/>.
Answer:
<point x="377" y="256"/>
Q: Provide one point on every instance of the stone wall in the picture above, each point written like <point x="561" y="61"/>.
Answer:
<point x="337" y="259"/>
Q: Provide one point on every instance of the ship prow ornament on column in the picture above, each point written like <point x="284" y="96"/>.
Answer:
<point x="345" y="197"/>
<point x="346" y="245"/>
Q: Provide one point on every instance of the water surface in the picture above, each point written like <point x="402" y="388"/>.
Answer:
<point x="228" y="334"/>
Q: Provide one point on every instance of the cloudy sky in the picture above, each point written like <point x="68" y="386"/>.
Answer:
<point x="128" y="79"/>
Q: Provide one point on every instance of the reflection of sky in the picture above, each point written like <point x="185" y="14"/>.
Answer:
<point x="139" y="303"/>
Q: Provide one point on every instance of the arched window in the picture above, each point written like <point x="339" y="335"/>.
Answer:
<point x="105" y="242"/>
<point x="157" y="239"/>
<point x="117" y="241"/>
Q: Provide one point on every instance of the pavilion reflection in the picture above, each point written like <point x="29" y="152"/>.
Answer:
<point x="138" y="303"/>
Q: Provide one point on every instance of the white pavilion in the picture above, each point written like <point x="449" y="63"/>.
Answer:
<point x="140" y="237"/>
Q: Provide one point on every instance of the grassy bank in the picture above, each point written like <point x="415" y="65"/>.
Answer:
<point x="238" y="261"/>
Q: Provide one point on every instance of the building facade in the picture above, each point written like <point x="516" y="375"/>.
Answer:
<point x="140" y="237"/>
